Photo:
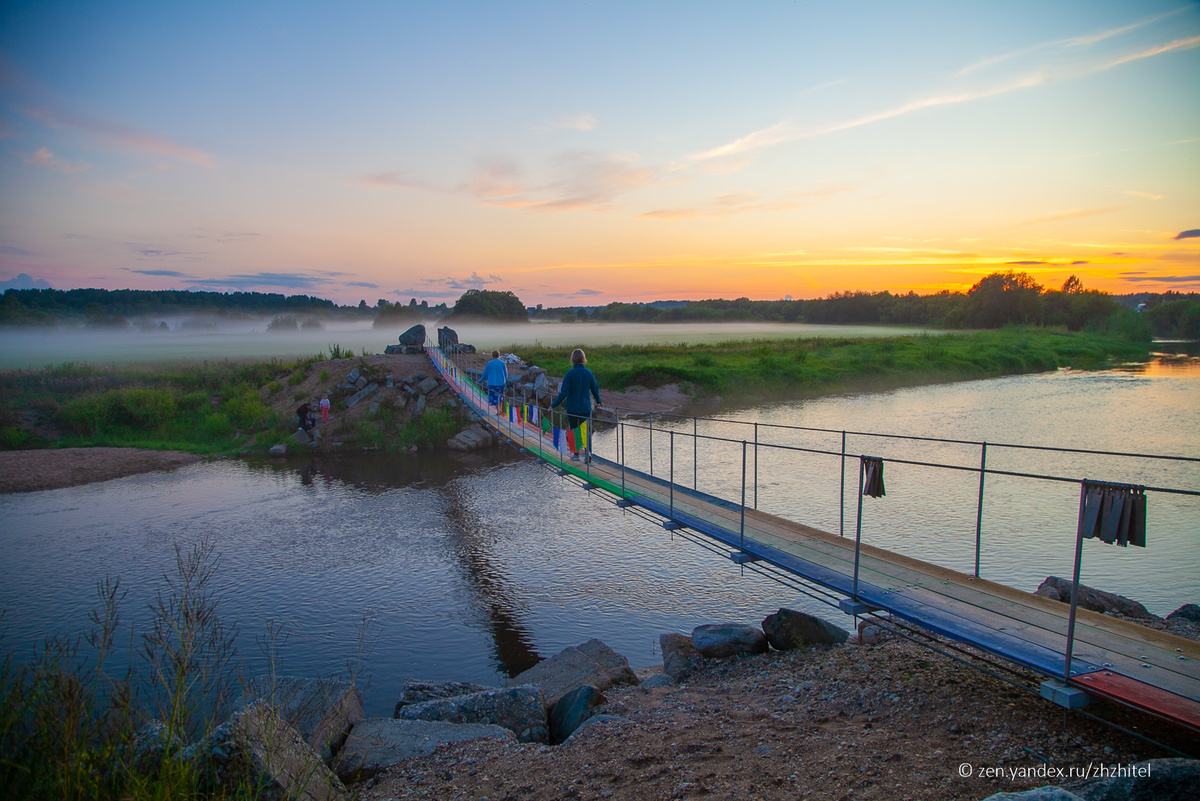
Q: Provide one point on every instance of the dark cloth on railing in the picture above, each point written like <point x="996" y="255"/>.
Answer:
<point x="873" y="477"/>
<point x="1114" y="513"/>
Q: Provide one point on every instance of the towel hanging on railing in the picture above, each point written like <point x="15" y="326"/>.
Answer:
<point x="872" y="476"/>
<point x="1114" y="513"/>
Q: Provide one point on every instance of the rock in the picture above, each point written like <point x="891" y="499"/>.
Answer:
<point x="278" y="450"/>
<point x="657" y="680"/>
<point x="572" y="710"/>
<point x="787" y="629"/>
<point x="393" y="350"/>
<point x="256" y="751"/>
<point x="869" y="635"/>
<point x="373" y="408"/>
<point x="541" y="386"/>
<point x="447" y="338"/>
<point x="440" y="389"/>
<point x="471" y="439"/>
<point x="563" y="672"/>
<point x="718" y="640"/>
<point x="376" y="744"/>
<point x="416" y="691"/>
<point x="361" y="394"/>
<point x="413" y="336"/>
<point x="1188" y="612"/>
<point x="1153" y="780"/>
<point x="389" y="382"/>
<point x="361" y="382"/>
<point x="1057" y="589"/>
<point x="320" y="710"/>
<point x="521" y="710"/>
<point x="301" y="437"/>
<point x="353" y="375"/>
<point x="679" y="655"/>
<point x="427" y="385"/>
<point x="419" y="406"/>
<point x="615" y="665"/>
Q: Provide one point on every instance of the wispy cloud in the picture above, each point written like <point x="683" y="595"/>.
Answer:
<point x="740" y="202"/>
<point x="1178" y="44"/>
<point x="161" y="273"/>
<point x="1072" y="214"/>
<point x="448" y="287"/>
<point x="42" y="157"/>
<point x="392" y="179"/>
<point x="24" y="281"/>
<point x="1146" y="195"/>
<point x="9" y="250"/>
<point x="569" y="122"/>
<point x="364" y="284"/>
<point x="1189" y="234"/>
<point x="580" y="179"/>
<point x="284" y="280"/>
<point x="1141" y="277"/>
<point x="121" y="136"/>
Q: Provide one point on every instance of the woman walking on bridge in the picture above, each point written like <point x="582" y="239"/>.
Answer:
<point x="578" y="388"/>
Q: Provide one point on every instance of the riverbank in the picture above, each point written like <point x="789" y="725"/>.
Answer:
<point x="32" y="471"/>
<point x="889" y="721"/>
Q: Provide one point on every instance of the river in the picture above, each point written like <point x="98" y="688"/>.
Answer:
<point x="472" y="568"/>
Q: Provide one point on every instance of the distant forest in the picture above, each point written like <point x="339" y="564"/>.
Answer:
<point x="999" y="299"/>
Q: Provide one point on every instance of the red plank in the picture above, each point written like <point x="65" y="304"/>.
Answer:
<point x="1118" y="687"/>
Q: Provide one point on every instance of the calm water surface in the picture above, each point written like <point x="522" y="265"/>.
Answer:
<point x="474" y="568"/>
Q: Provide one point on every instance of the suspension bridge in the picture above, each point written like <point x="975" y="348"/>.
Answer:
<point x="1083" y="654"/>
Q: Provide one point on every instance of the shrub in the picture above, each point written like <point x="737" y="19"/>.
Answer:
<point x="244" y="408"/>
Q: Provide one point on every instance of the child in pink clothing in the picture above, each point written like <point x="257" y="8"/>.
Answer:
<point x="324" y="404"/>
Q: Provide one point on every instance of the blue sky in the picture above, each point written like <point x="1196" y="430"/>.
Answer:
<point x="578" y="152"/>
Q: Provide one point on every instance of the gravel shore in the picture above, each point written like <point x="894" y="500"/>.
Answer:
<point x="889" y="721"/>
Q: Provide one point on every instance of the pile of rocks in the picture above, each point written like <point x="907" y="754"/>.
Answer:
<point x="785" y="630"/>
<point x="411" y="341"/>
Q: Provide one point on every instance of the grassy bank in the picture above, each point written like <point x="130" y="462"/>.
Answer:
<point x="809" y="367"/>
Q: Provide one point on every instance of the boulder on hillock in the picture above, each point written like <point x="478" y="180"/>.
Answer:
<point x="376" y="744"/>
<point x="521" y="710"/>
<point x="719" y="640"/>
<point x="1058" y="589"/>
<point x="1187" y="612"/>
<point x="416" y="691"/>
<point x="413" y="336"/>
<point x="788" y="629"/>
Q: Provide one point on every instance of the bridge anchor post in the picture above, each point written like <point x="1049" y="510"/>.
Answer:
<point x="1064" y="695"/>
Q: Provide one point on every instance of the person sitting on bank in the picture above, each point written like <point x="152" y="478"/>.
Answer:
<point x="578" y="388"/>
<point x="304" y="414"/>
<point x="495" y="376"/>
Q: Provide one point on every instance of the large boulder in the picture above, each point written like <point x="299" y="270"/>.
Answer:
<point x="414" y="336"/>
<point x="615" y="665"/>
<point x="572" y="710"/>
<point x="447" y="338"/>
<point x="787" y="629"/>
<point x="717" y="640"/>
<point x="570" y="668"/>
<point x="376" y="744"/>
<point x="1057" y="589"/>
<point x="679" y="655"/>
<point x="258" y="753"/>
<point x="521" y="710"/>
<point x="416" y="691"/>
<point x="320" y="710"/>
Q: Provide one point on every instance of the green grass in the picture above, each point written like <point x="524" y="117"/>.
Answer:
<point x="807" y="367"/>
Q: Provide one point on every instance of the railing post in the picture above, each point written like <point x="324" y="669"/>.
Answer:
<point x="672" y="490"/>
<point x="979" y="513"/>
<point x="695" y="454"/>
<point x="587" y="451"/>
<point x="858" y="527"/>
<point x="842" y="503"/>
<point x="652" y="444"/>
<point x="742" y="530"/>
<point x="1075" y="587"/>
<point x="756" y="465"/>
<point x="621" y="429"/>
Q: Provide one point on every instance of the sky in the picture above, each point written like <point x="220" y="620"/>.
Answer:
<point x="583" y="153"/>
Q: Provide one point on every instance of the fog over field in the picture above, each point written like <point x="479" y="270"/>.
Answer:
<point x="248" y="339"/>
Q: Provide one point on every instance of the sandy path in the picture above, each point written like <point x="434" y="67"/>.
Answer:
<point x="30" y="471"/>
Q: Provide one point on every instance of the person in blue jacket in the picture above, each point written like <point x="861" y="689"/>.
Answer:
<point x="578" y="388"/>
<point x="495" y="376"/>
